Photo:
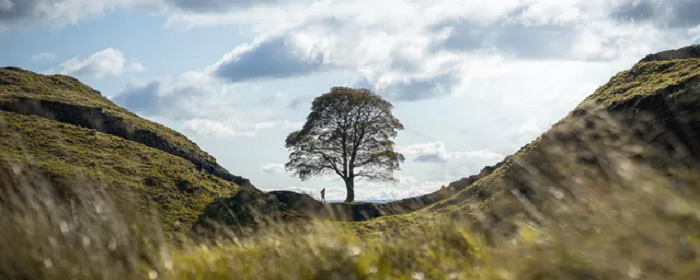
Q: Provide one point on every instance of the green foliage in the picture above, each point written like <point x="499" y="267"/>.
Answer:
<point x="348" y="133"/>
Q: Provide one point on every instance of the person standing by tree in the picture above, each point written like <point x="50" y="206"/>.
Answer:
<point x="323" y="195"/>
<point x="348" y="133"/>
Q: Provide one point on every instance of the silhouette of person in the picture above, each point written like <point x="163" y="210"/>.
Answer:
<point x="323" y="195"/>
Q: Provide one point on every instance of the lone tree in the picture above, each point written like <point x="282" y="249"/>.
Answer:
<point x="349" y="133"/>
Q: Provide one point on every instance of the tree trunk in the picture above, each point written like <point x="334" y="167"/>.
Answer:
<point x="350" y="186"/>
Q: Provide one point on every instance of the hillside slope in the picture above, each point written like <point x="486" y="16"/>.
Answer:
<point x="632" y="146"/>
<point x="65" y="99"/>
<point x="634" y="142"/>
<point x="75" y="140"/>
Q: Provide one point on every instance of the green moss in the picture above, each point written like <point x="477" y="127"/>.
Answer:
<point x="69" y="154"/>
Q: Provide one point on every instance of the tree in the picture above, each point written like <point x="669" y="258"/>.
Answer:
<point x="348" y="133"/>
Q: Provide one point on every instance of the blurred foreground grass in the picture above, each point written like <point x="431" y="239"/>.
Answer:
<point x="649" y="232"/>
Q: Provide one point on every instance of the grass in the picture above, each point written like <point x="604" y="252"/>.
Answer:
<point x="670" y="79"/>
<point x="654" y="238"/>
<point x="16" y="83"/>
<point x="645" y="79"/>
<point x="68" y="154"/>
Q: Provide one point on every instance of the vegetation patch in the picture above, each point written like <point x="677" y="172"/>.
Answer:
<point x="65" y="99"/>
<point x="72" y="155"/>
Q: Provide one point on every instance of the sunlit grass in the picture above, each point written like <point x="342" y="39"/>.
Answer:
<point x="67" y="154"/>
<point x="16" y="83"/>
<point x="84" y="237"/>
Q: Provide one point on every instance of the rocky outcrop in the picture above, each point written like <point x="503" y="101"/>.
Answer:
<point x="244" y="213"/>
<point x="348" y="212"/>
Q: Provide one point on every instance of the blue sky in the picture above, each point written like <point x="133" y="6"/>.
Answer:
<point x="472" y="81"/>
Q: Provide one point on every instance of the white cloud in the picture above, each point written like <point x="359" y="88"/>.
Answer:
<point x="235" y="127"/>
<point x="191" y="95"/>
<point x="267" y="58"/>
<point x="274" y="168"/>
<point x="389" y="193"/>
<point x="108" y="62"/>
<point x="436" y="152"/>
<point x="203" y="104"/>
<point x="412" y="51"/>
<point x="206" y="6"/>
<point x="43" y="57"/>
<point x="54" y="13"/>
<point x="136" y="67"/>
<point x="530" y="126"/>
<point x="6" y="5"/>
<point x="331" y="178"/>
<point x="407" y="179"/>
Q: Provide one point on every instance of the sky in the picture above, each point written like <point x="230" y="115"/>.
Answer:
<point x="471" y="80"/>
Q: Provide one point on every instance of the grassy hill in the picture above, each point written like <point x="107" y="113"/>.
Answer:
<point x="644" y="120"/>
<point x="71" y="134"/>
<point x="65" y="99"/>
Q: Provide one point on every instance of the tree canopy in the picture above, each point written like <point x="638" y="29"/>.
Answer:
<point x="348" y="133"/>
